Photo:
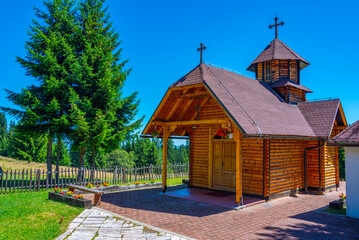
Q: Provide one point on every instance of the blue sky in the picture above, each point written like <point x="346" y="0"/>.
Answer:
<point x="160" y="39"/>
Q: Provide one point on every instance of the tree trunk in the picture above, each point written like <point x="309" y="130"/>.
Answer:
<point x="81" y="164"/>
<point x="58" y="158"/>
<point x="49" y="161"/>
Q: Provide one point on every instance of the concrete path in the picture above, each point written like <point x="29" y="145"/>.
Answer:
<point x="99" y="224"/>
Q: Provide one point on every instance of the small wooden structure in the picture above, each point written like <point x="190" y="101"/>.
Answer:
<point x="274" y="141"/>
<point x="98" y="194"/>
<point x="349" y="139"/>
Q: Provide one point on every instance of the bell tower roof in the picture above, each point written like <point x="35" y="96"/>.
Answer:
<point x="278" y="50"/>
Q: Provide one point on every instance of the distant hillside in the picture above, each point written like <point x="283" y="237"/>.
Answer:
<point x="10" y="163"/>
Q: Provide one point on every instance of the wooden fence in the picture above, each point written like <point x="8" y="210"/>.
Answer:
<point x="12" y="181"/>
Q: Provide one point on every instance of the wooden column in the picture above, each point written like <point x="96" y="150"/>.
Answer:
<point x="166" y="134"/>
<point x="210" y="155"/>
<point x="337" y="167"/>
<point x="164" y="158"/>
<point x="237" y="138"/>
<point x="266" y="168"/>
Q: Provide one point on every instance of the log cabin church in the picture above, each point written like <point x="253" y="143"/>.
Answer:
<point x="258" y="137"/>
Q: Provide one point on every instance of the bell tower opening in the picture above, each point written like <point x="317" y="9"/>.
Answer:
<point x="279" y="66"/>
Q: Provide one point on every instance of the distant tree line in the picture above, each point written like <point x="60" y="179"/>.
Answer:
<point x="134" y="151"/>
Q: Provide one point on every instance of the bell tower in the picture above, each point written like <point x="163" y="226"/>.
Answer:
<point x="279" y="66"/>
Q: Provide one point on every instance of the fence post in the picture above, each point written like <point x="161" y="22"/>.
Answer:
<point x="135" y="173"/>
<point x="14" y="181"/>
<point x="151" y="171"/>
<point x="114" y="175"/>
<point x="38" y="179"/>
<point x="6" y="181"/>
<point x="47" y="180"/>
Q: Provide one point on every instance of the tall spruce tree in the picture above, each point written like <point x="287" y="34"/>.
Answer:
<point x="102" y="116"/>
<point x="50" y="60"/>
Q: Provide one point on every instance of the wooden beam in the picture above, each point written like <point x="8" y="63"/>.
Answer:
<point x="193" y="122"/>
<point x="173" y="110"/>
<point x="188" y="104"/>
<point x="188" y="86"/>
<point x="197" y="95"/>
<point x="343" y="115"/>
<point x="195" y="114"/>
<point x="158" y="109"/>
<point x="237" y="139"/>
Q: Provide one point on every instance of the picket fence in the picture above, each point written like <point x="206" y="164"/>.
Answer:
<point x="26" y="180"/>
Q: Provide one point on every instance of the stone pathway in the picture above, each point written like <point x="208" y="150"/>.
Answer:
<point x="295" y="217"/>
<point x="99" y="224"/>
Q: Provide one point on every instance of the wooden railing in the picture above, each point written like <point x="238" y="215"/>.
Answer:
<point x="12" y="181"/>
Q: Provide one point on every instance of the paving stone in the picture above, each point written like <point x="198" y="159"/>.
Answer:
<point x="107" y="227"/>
<point x="285" y="218"/>
<point x="85" y="213"/>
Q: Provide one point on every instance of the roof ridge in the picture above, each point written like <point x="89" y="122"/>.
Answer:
<point x="235" y="100"/>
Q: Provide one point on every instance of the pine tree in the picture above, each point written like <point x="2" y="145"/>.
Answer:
<point x="3" y="135"/>
<point x="50" y="60"/>
<point x="105" y="116"/>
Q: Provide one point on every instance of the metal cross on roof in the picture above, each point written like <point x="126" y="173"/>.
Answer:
<point x="276" y="26"/>
<point x="201" y="49"/>
<point x="198" y="108"/>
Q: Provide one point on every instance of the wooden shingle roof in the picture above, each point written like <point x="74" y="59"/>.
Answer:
<point x="278" y="50"/>
<point x="256" y="108"/>
<point x="349" y="136"/>
<point x="320" y="115"/>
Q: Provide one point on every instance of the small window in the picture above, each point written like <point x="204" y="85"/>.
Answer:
<point x="267" y="72"/>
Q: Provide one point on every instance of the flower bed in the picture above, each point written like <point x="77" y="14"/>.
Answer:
<point x="341" y="203"/>
<point x="114" y="188"/>
<point x="70" y="198"/>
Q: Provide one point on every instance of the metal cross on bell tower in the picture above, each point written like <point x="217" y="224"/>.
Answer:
<point x="276" y="24"/>
<point x="201" y="50"/>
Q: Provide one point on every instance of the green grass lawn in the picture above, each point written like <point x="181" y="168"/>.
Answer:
<point x="335" y="211"/>
<point x="170" y="181"/>
<point x="33" y="216"/>
<point x="30" y="215"/>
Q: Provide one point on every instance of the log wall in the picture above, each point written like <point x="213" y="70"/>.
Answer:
<point x="296" y="95"/>
<point x="200" y="143"/>
<point x="313" y="165"/>
<point x="286" y="165"/>
<point x="293" y="70"/>
<point x="252" y="166"/>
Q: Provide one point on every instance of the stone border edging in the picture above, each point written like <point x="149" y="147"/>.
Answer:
<point x="143" y="224"/>
<point x="116" y="188"/>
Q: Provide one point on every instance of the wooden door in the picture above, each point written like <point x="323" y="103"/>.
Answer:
<point x="229" y="166"/>
<point x="224" y="165"/>
<point x="217" y="164"/>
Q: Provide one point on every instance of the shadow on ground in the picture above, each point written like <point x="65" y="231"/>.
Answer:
<point x="312" y="225"/>
<point x="154" y="200"/>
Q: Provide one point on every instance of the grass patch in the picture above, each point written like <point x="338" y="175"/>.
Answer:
<point x="7" y="163"/>
<point x="33" y="216"/>
<point x="335" y="211"/>
<point x="170" y="181"/>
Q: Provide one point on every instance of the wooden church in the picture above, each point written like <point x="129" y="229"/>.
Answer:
<point x="259" y="136"/>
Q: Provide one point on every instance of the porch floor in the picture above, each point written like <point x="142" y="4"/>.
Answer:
<point x="218" y="198"/>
